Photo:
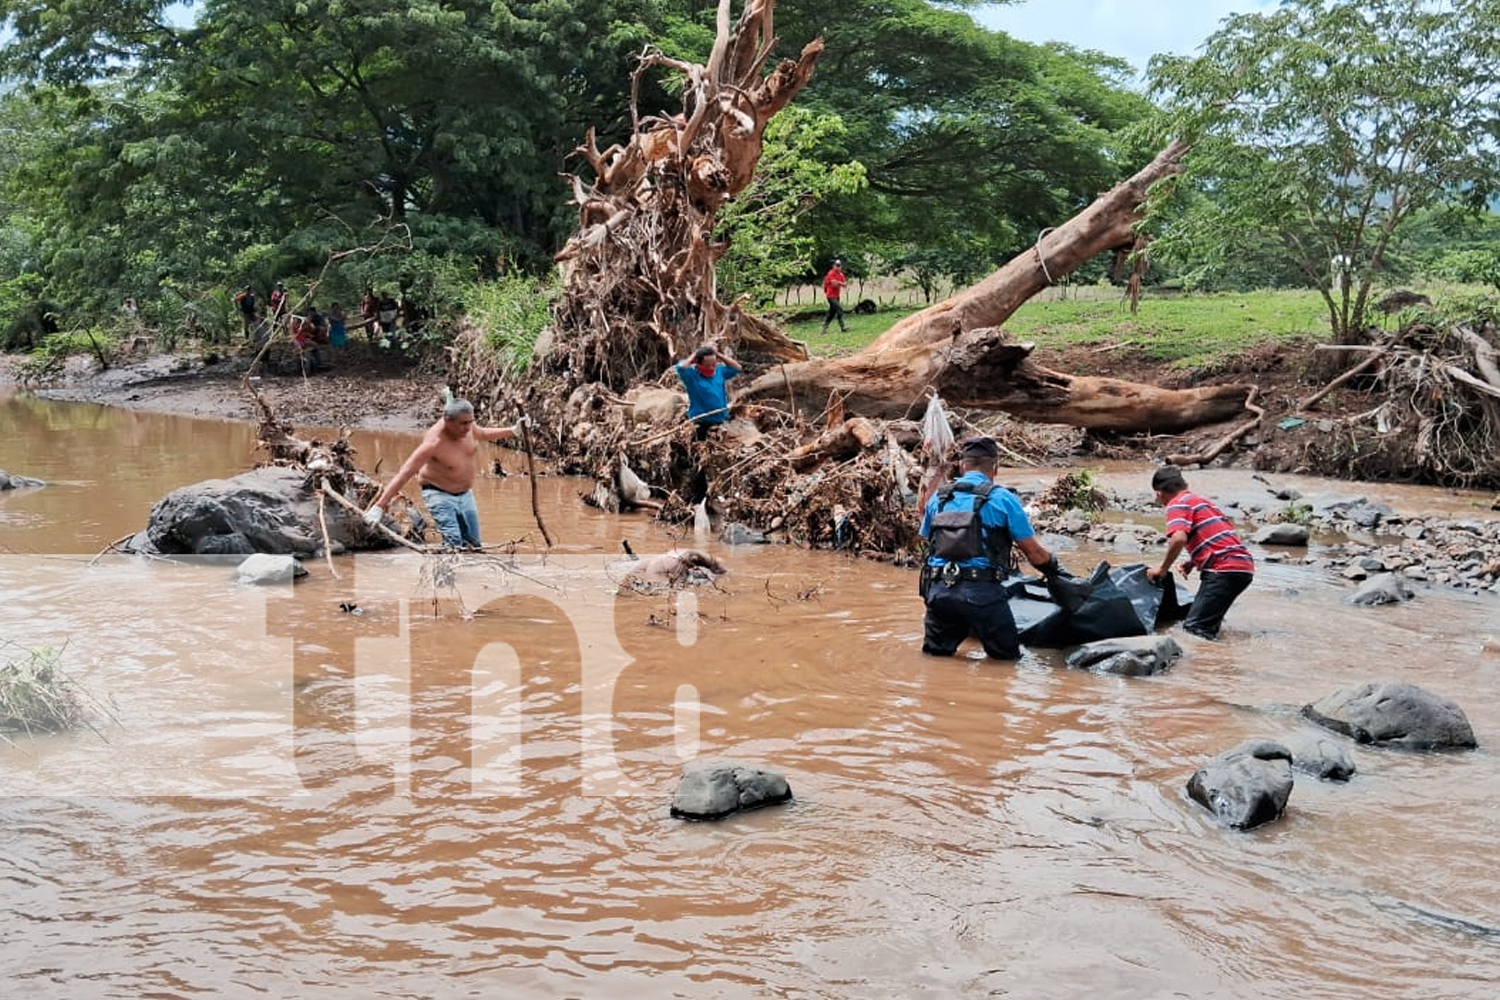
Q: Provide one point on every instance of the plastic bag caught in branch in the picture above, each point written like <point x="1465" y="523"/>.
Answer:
<point x="937" y="436"/>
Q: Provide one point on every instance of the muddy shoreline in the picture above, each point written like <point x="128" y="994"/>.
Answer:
<point x="365" y="391"/>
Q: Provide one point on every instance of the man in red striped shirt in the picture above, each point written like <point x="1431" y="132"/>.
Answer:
<point x="1225" y="565"/>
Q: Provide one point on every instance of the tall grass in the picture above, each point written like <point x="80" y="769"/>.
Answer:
<point x="36" y="695"/>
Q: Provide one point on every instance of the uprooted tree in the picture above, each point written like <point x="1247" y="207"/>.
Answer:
<point x="957" y="349"/>
<point x="638" y="289"/>
<point x="639" y="293"/>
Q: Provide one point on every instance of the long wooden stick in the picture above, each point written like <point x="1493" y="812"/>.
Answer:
<point x="675" y="427"/>
<point x="536" y="511"/>
<point x="1312" y="400"/>
<point x="323" y="524"/>
<point x="348" y="505"/>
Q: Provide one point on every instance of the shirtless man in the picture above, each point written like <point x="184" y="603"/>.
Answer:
<point x="445" y="464"/>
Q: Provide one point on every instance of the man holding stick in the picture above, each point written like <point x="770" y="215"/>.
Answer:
<point x="445" y="464"/>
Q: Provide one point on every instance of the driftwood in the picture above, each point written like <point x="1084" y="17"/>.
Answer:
<point x="1217" y="449"/>
<point x="958" y="349"/>
<point x="1317" y="397"/>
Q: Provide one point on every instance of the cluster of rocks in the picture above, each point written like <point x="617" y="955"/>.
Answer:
<point x="1250" y="784"/>
<point x="13" y="482"/>
<point x="1244" y="787"/>
<point x="1360" y="540"/>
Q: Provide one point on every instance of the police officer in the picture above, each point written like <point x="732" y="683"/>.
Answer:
<point x="965" y="593"/>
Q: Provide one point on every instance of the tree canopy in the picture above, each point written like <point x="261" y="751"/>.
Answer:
<point x="253" y="141"/>
<point x="1323" y="126"/>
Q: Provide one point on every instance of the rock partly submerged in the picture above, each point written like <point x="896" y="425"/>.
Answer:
<point x="1247" y="786"/>
<point x="1394" y="714"/>
<point x="8" y="481"/>
<point x="272" y="510"/>
<point x="714" y="789"/>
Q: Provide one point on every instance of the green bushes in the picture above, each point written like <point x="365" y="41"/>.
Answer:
<point x="512" y="312"/>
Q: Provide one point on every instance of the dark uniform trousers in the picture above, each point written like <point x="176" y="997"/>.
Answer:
<point x="979" y="608"/>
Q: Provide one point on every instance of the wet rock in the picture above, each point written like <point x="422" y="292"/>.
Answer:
<point x="1387" y="588"/>
<point x="1247" y="786"/>
<point x="717" y="788"/>
<point x="266" y="510"/>
<point x="1394" y="714"/>
<point x="14" y="482"/>
<point x="1355" y="573"/>
<point x="1282" y="534"/>
<point x="265" y="570"/>
<point x="1319" y="756"/>
<point x="1131" y="656"/>
<point x="741" y="534"/>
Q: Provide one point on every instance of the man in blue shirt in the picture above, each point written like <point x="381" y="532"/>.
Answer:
<point x="704" y="375"/>
<point x="963" y="581"/>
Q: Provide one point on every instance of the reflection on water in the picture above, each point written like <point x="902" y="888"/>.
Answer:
<point x="465" y="792"/>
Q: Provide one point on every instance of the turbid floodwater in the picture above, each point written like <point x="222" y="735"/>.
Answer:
<point x="451" y="778"/>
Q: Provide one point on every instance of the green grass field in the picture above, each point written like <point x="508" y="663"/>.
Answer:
<point x="1191" y="331"/>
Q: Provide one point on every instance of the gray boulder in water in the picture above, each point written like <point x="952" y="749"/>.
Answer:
<point x="1394" y="714"/>
<point x="268" y="510"/>
<point x="1320" y="756"/>
<point x="1282" y="534"/>
<point x="1387" y="588"/>
<point x="1129" y="656"/>
<point x="1247" y="786"/>
<point x="10" y="482"/>
<point x="715" y="789"/>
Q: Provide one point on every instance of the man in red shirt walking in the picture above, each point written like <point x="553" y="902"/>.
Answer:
<point x="1224" y="564"/>
<point x="833" y="289"/>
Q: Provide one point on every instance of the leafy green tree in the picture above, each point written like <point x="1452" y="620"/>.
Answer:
<point x="764" y="254"/>
<point x="974" y="142"/>
<point x="1325" y="124"/>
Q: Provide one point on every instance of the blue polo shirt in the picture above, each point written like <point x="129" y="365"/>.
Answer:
<point x="1002" y="510"/>
<point x="707" y="394"/>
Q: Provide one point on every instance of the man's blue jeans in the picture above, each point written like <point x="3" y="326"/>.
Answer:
<point x="455" y="515"/>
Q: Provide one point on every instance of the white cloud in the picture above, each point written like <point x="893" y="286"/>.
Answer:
<point x="1130" y="29"/>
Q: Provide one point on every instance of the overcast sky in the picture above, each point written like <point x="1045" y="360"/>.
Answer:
<point x="1134" y="30"/>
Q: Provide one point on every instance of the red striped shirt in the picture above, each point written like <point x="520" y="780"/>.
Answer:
<point x="1212" y="544"/>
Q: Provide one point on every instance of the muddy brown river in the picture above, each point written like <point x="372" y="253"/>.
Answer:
<point x="387" y="784"/>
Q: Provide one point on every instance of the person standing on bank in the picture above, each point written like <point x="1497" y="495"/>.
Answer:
<point x="1224" y="564"/>
<point x="445" y="464"/>
<point x="703" y="376"/>
<point x="833" y="290"/>
<point x="963" y="581"/>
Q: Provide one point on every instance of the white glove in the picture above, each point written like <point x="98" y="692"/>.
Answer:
<point x="520" y="425"/>
<point x="374" y="514"/>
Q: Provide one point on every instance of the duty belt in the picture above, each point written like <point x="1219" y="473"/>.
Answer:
<point x="951" y="573"/>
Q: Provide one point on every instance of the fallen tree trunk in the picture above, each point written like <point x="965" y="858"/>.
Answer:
<point x="956" y="348"/>
<point x="983" y="369"/>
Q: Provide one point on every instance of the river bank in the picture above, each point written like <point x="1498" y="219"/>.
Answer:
<point x="368" y="389"/>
